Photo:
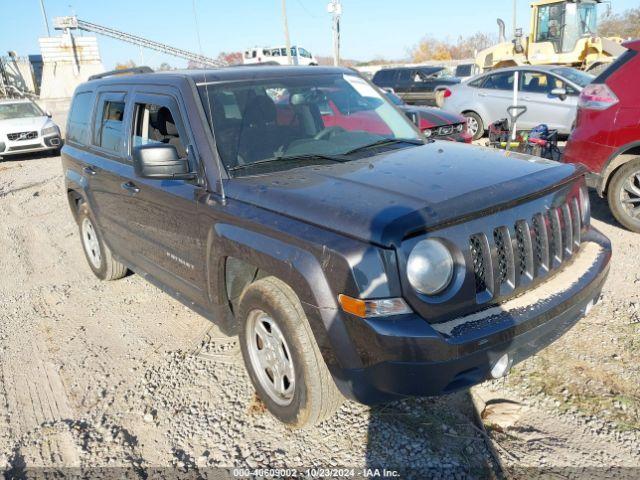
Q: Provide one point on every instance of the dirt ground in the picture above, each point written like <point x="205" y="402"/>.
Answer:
<point x="118" y="374"/>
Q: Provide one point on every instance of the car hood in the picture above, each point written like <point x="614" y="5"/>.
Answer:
<point x="14" y="125"/>
<point x="434" y="117"/>
<point x="384" y="198"/>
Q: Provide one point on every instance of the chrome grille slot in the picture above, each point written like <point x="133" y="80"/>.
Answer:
<point x="505" y="274"/>
<point x="481" y="258"/>
<point x="524" y="249"/>
<point x="524" y="252"/>
<point x="567" y="231"/>
<point x="555" y="238"/>
<point x="541" y="244"/>
<point x="577" y="223"/>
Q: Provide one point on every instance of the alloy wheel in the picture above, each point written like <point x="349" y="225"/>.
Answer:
<point x="630" y="195"/>
<point x="472" y="126"/>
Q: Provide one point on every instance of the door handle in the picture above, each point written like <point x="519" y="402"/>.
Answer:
<point x="130" y="187"/>
<point x="482" y="94"/>
<point x="89" y="170"/>
<point x="528" y="99"/>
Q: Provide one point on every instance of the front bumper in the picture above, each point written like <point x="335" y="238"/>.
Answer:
<point x="39" y="144"/>
<point x="406" y="356"/>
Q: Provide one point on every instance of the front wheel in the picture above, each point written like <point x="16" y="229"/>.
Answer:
<point x="282" y="357"/>
<point x="623" y="195"/>
<point x="475" y="126"/>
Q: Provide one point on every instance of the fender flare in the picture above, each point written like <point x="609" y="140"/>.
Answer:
<point x="615" y="161"/>
<point x="299" y="269"/>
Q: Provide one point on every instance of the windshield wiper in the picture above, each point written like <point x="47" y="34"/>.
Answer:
<point x="383" y="142"/>
<point x="289" y="158"/>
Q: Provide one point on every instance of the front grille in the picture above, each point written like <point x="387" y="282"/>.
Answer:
<point x="447" y="130"/>
<point x="518" y="254"/>
<point x="16" y="137"/>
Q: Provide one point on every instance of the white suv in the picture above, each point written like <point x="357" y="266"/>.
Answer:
<point x="25" y="128"/>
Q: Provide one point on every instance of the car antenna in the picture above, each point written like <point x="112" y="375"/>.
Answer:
<point x="223" y="195"/>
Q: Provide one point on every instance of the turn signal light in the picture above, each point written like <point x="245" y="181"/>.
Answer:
<point x="383" y="307"/>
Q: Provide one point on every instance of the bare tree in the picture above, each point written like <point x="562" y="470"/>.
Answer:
<point x="625" y="24"/>
<point x="430" y="48"/>
<point x="125" y="65"/>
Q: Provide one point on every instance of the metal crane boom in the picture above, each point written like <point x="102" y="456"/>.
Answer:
<point x="74" y="23"/>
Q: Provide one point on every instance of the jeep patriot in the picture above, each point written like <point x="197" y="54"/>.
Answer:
<point x="366" y="262"/>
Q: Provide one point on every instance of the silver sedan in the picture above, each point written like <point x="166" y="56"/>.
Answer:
<point x="549" y="92"/>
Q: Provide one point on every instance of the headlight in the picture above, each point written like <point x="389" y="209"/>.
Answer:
<point x="427" y="132"/>
<point x="430" y="267"/>
<point x="52" y="130"/>
<point x="460" y="127"/>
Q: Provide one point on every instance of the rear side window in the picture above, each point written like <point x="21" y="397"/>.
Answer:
<point x="110" y="128"/>
<point x="499" y="81"/>
<point x="615" y="66"/>
<point x="383" y="76"/>
<point x="79" y="118"/>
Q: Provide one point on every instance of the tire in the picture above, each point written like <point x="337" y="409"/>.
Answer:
<point x="269" y="308"/>
<point x="98" y="255"/>
<point x="623" y="195"/>
<point x="474" y="119"/>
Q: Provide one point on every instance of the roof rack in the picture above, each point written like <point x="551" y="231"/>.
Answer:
<point x="124" y="71"/>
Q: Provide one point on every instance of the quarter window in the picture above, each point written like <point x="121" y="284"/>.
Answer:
<point x="109" y="135"/>
<point x="79" y="118"/>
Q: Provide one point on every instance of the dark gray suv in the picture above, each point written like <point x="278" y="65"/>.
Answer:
<point x="350" y="255"/>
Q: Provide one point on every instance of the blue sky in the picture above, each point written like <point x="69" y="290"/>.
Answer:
<point x="370" y="28"/>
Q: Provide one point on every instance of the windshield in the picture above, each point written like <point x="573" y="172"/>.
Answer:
<point x="581" y="79"/>
<point x="288" y="122"/>
<point x="19" y="110"/>
<point x="564" y="23"/>
<point x="580" y="21"/>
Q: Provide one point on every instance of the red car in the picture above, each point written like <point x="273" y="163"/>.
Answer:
<point x="434" y="122"/>
<point x="606" y="137"/>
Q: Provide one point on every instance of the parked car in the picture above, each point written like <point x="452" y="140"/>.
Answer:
<point x="550" y="94"/>
<point x="415" y="85"/>
<point x="299" y="56"/>
<point x="349" y="263"/>
<point x="607" y="136"/>
<point x="434" y="122"/>
<point x="25" y="128"/>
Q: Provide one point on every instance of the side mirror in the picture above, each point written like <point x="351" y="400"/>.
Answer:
<point x="48" y="114"/>
<point x="160" y="161"/>
<point x="561" y="93"/>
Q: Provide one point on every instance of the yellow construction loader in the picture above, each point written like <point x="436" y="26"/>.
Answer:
<point x="562" y="33"/>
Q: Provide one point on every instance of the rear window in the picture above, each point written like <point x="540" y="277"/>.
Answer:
<point x="79" y="118"/>
<point x="615" y="66"/>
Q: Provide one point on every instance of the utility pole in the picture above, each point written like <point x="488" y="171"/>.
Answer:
<point x="44" y="15"/>
<point x="513" y="27"/>
<point x="286" y="31"/>
<point x="335" y="9"/>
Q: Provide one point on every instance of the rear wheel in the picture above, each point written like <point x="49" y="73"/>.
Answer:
<point x="99" y="256"/>
<point x="282" y="357"/>
<point x="623" y="195"/>
<point x="475" y="126"/>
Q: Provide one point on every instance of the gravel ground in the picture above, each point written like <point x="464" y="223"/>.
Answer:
<point x="118" y="374"/>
